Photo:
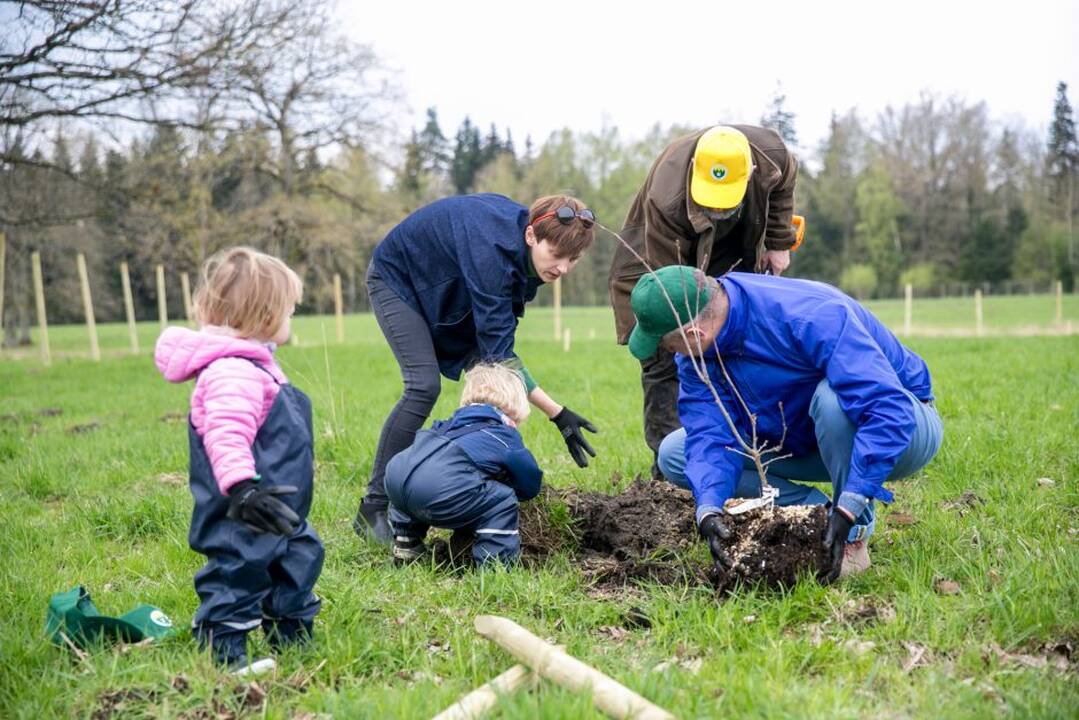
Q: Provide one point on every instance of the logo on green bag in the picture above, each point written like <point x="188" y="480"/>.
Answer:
<point x="159" y="618"/>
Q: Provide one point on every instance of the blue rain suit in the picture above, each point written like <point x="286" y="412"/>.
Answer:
<point x="789" y="345"/>
<point x="252" y="578"/>
<point x="468" y="472"/>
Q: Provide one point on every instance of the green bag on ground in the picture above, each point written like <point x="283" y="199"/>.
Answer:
<point x="74" y="614"/>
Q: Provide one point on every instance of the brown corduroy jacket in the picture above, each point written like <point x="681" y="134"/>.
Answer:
<point x="666" y="227"/>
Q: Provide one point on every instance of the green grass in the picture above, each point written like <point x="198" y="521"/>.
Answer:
<point x="1001" y="314"/>
<point x="106" y="508"/>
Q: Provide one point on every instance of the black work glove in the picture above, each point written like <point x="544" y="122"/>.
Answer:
<point x="570" y="424"/>
<point x="835" y="539"/>
<point x="714" y="530"/>
<point x="256" y="506"/>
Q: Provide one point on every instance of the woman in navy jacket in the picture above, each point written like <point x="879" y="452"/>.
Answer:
<point x="448" y="286"/>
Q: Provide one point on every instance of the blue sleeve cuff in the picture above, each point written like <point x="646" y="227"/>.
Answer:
<point x="853" y="503"/>
<point x="869" y="489"/>
<point x="704" y="510"/>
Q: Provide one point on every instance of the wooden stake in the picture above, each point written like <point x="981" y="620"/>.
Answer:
<point x="476" y="703"/>
<point x="548" y="661"/>
<point x="129" y="308"/>
<point x="485" y="697"/>
<point x="565" y="340"/>
<point x="1059" y="289"/>
<point x="3" y="255"/>
<point x="908" y="307"/>
<point x="557" y="309"/>
<point x="185" y="288"/>
<point x="338" y="307"/>
<point x="979" y="328"/>
<point x="162" y="303"/>
<point x="88" y="308"/>
<point x="39" y="298"/>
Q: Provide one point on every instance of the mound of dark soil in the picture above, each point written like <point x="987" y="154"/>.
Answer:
<point x="774" y="546"/>
<point x="646" y="531"/>
<point x="644" y="518"/>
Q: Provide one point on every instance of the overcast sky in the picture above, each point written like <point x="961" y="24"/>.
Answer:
<point x="537" y="67"/>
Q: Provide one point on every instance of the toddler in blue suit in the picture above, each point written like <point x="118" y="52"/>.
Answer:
<point x="467" y="473"/>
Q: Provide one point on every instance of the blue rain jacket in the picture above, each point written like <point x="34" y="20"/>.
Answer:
<point x="495" y="449"/>
<point x="462" y="263"/>
<point x="781" y="338"/>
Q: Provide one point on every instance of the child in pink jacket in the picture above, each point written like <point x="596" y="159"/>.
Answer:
<point x="252" y="458"/>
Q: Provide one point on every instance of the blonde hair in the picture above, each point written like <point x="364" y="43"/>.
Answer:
<point x="499" y="386"/>
<point x="247" y="291"/>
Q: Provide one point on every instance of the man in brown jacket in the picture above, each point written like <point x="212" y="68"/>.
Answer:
<point x="719" y="199"/>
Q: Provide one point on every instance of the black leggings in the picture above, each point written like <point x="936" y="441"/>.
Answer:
<point x="410" y="340"/>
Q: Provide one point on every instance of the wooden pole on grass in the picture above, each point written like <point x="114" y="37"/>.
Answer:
<point x="565" y="340"/>
<point x="88" y="308"/>
<point x="185" y="287"/>
<point x="162" y="303"/>
<point x="1059" y="289"/>
<point x="485" y="697"/>
<point x="3" y="255"/>
<point x="39" y="299"/>
<point x="557" y="309"/>
<point x="979" y="327"/>
<point x="908" y="307"/>
<point x="338" y="307"/>
<point x="129" y="308"/>
<point x="548" y="661"/>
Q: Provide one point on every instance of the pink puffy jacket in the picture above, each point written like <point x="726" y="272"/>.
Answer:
<point x="232" y="397"/>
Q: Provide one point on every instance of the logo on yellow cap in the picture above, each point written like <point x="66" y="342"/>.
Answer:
<point x="722" y="163"/>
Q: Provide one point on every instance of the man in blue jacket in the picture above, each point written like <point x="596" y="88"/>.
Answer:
<point x="828" y="384"/>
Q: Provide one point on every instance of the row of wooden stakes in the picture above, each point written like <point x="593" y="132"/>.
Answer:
<point x="129" y="307"/>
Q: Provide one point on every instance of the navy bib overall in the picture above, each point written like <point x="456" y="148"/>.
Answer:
<point x="251" y="576"/>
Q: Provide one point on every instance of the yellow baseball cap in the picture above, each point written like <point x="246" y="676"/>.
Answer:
<point x="722" y="163"/>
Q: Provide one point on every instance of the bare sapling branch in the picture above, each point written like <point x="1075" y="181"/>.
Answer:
<point x="751" y="449"/>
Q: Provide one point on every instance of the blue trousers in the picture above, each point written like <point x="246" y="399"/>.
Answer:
<point x="445" y="490"/>
<point x="829" y="464"/>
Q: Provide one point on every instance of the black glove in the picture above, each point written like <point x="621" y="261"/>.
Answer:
<point x="570" y="424"/>
<point x="715" y="531"/>
<point x="254" y="505"/>
<point x="835" y="539"/>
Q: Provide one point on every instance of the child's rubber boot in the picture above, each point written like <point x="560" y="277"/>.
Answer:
<point x="230" y="652"/>
<point x="287" y="632"/>
<point x="407" y="549"/>
<point x="461" y="542"/>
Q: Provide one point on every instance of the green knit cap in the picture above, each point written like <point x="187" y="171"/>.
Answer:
<point x="653" y="311"/>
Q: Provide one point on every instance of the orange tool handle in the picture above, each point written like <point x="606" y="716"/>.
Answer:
<point x="798" y="223"/>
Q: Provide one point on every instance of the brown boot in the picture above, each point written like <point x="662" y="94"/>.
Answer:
<point x="855" y="558"/>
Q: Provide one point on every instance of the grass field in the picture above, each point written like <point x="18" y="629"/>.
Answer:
<point x="95" y="494"/>
<point x="1003" y="314"/>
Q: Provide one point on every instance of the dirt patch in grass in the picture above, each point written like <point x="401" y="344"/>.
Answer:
<point x="644" y="518"/>
<point x="84" y="428"/>
<point x="647" y="532"/>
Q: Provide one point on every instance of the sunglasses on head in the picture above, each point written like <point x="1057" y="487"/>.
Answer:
<point x="565" y="215"/>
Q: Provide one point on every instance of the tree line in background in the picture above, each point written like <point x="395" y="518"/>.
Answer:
<point x="256" y="122"/>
